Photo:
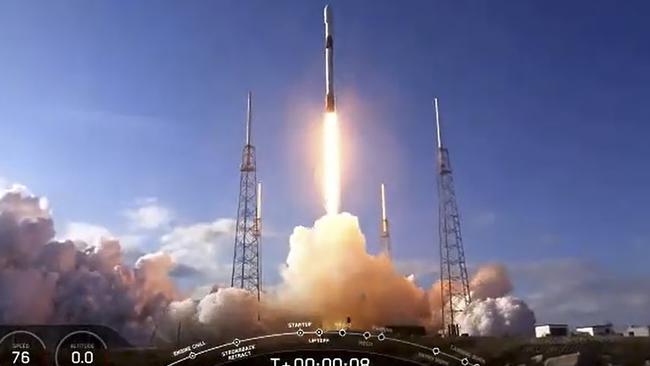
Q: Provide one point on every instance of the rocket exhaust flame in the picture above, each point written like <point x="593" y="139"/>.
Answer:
<point x="331" y="164"/>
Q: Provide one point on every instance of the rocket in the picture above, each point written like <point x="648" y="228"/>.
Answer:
<point x="384" y="219"/>
<point x="330" y="105"/>
<point x="438" y="133"/>
<point x="384" y="235"/>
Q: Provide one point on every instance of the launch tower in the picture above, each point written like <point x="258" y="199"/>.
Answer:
<point x="246" y="258"/>
<point x="454" y="284"/>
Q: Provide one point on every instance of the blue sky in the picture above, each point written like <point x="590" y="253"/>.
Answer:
<point x="107" y="105"/>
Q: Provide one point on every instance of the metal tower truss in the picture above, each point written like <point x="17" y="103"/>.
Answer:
<point x="454" y="283"/>
<point x="246" y="258"/>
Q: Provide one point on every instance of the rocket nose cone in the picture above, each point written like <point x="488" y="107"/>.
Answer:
<point x="327" y="14"/>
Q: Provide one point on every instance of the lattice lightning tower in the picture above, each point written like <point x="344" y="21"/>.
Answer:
<point x="246" y="258"/>
<point x="454" y="283"/>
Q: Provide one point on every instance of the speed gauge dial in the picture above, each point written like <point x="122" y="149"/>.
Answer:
<point x="22" y="348"/>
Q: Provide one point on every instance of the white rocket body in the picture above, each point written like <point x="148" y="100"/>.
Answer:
<point x="330" y="104"/>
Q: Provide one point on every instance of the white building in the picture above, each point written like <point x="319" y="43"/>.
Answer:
<point x="551" y="330"/>
<point x="596" y="330"/>
<point x="638" y="331"/>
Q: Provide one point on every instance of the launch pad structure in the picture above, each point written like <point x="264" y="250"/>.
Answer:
<point x="246" y="270"/>
<point x="454" y="283"/>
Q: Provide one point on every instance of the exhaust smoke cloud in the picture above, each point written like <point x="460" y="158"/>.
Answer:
<point x="45" y="281"/>
<point x="330" y="273"/>
<point x="328" y="277"/>
<point x="493" y="311"/>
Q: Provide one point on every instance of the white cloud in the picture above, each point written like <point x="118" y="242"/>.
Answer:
<point x="149" y="214"/>
<point x="201" y="249"/>
<point x="84" y="232"/>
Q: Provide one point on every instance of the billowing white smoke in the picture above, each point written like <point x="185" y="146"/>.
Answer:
<point x="224" y="313"/>
<point x="329" y="277"/>
<point x="493" y="311"/>
<point x="501" y="316"/>
<point x="330" y="274"/>
<point x="45" y="281"/>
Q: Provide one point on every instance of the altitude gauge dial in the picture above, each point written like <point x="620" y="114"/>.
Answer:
<point x="81" y="348"/>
